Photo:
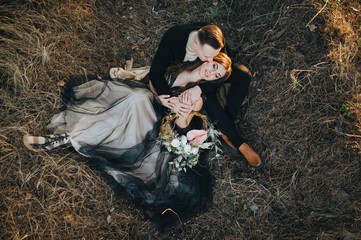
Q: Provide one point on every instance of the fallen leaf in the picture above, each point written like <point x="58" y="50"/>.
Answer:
<point x="215" y="2"/>
<point x="312" y="27"/>
<point x="145" y="40"/>
<point x="109" y="219"/>
<point x="254" y="207"/>
<point x="61" y="195"/>
<point x="27" y="197"/>
<point x="136" y="47"/>
<point x="61" y="83"/>
<point x="69" y="218"/>
<point x="279" y="34"/>
<point x="142" y="54"/>
<point x="142" y="41"/>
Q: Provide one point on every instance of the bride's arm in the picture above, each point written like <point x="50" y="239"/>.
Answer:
<point x="184" y="121"/>
<point x="165" y="99"/>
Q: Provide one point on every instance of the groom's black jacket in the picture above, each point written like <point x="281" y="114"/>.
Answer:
<point x="172" y="50"/>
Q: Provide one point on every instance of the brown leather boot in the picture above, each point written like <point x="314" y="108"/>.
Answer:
<point x="251" y="156"/>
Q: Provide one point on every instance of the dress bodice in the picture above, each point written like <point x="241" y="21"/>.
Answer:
<point x="170" y="81"/>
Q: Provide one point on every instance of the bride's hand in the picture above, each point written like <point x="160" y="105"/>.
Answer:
<point x="166" y="101"/>
<point x="192" y="94"/>
<point x="185" y="97"/>
<point x="183" y="105"/>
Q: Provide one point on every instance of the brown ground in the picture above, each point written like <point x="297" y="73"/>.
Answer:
<point x="304" y="116"/>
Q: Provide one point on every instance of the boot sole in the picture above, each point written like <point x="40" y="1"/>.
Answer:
<point x="259" y="166"/>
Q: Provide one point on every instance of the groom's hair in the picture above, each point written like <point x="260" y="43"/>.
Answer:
<point x="211" y="35"/>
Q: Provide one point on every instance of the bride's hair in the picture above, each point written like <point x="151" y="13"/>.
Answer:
<point x="220" y="58"/>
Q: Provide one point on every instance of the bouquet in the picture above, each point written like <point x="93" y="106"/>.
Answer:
<point x="187" y="147"/>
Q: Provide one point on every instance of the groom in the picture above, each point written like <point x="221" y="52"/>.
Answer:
<point x="185" y="43"/>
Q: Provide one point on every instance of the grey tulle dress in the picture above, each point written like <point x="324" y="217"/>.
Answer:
<point x="115" y="124"/>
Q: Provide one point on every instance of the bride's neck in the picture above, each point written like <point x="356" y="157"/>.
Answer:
<point x="187" y="77"/>
<point x="193" y="76"/>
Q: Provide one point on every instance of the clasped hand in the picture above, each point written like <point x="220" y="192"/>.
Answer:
<point x="184" y="103"/>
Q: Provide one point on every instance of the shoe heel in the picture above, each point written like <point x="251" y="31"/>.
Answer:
<point x="28" y="145"/>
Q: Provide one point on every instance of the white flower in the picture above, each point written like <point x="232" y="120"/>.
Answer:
<point x="183" y="140"/>
<point x="195" y="150"/>
<point x="205" y="145"/>
<point x="175" y="143"/>
<point x="166" y="144"/>
<point x="187" y="148"/>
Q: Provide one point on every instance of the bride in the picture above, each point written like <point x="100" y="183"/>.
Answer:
<point x="116" y="125"/>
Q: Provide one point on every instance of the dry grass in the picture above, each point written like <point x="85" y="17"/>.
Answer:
<point x="304" y="116"/>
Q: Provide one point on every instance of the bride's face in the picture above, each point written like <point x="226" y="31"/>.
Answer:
<point x="212" y="71"/>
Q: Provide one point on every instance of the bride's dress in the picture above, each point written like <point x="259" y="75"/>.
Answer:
<point x="115" y="124"/>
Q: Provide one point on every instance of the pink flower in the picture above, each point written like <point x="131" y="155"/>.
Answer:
<point x="197" y="136"/>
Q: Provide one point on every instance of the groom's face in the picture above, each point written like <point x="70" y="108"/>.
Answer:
<point x="205" y="52"/>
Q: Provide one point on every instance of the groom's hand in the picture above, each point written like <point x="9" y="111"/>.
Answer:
<point x="181" y="109"/>
<point x="184" y="104"/>
<point x="194" y="93"/>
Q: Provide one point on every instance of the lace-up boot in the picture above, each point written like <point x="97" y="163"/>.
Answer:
<point x="39" y="143"/>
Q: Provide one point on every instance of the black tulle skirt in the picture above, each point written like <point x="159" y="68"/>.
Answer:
<point x="116" y="124"/>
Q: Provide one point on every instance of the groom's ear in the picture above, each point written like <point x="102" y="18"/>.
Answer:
<point x="195" y="45"/>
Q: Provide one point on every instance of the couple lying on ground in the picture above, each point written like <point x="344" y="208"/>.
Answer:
<point x="117" y="123"/>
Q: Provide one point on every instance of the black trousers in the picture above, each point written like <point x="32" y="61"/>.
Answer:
<point x="224" y="117"/>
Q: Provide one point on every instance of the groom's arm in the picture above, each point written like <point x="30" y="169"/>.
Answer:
<point x="164" y="57"/>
